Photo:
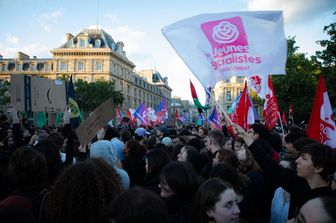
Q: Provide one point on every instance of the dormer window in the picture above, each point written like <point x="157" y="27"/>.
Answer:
<point x="70" y="43"/>
<point x="97" y="43"/>
<point x="82" y="43"/>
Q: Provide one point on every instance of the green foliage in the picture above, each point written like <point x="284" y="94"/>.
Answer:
<point x="64" y="77"/>
<point x="299" y="85"/>
<point x="328" y="60"/>
<point x="256" y="99"/>
<point x="91" y="95"/>
<point x="4" y="93"/>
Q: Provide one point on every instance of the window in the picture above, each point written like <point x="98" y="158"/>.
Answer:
<point x="47" y="67"/>
<point x="128" y="89"/>
<point x="97" y="43"/>
<point x="98" y="65"/>
<point x="18" y="67"/>
<point x="240" y="80"/>
<point x="80" y="66"/>
<point x="121" y="86"/>
<point x="82" y="43"/>
<point x="63" y="66"/>
<point x="33" y="67"/>
<point x="228" y="80"/>
<point x="228" y="95"/>
<point x="70" y="43"/>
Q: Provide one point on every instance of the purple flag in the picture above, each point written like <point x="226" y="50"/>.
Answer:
<point x="214" y="119"/>
<point x="141" y="114"/>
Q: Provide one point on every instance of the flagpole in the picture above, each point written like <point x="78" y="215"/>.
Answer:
<point x="283" y="131"/>
<point x="226" y="116"/>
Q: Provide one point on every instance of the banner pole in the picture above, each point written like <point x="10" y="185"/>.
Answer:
<point x="283" y="131"/>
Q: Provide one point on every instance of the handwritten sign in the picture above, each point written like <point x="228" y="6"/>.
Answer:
<point x="98" y="119"/>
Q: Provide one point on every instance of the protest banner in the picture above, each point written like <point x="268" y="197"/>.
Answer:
<point x="88" y="129"/>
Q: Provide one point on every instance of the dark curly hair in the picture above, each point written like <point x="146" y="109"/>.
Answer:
<point x="138" y="205"/>
<point x="82" y="191"/>
<point x="27" y="170"/>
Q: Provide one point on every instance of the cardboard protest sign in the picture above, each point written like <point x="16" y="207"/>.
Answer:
<point x="98" y="119"/>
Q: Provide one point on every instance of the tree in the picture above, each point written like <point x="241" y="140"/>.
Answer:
<point x="327" y="59"/>
<point x="4" y="93"/>
<point x="299" y="85"/>
<point x="91" y="95"/>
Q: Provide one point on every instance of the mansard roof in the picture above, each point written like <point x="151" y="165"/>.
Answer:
<point x="94" y="39"/>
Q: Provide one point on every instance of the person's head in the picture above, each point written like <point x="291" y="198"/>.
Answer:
<point x="52" y="155"/>
<point x="258" y="131"/>
<point x="155" y="161"/>
<point x="290" y="139"/>
<point x="202" y="132"/>
<point x="125" y="135"/>
<point x="82" y="191"/>
<point x="162" y="132"/>
<point x="228" y="143"/>
<point x="134" y="148"/>
<point x="192" y="156"/>
<point x="138" y="205"/>
<point x="275" y="141"/>
<point x="196" y="142"/>
<point x="27" y="170"/>
<point x="140" y="134"/>
<point x="178" y="178"/>
<point x="300" y="143"/>
<point x="215" y="200"/>
<point x="247" y="161"/>
<point x="56" y="139"/>
<point x="318" y="210"/>
<point x="105" y="150"/>
<point x="316" y="159"/>
<point x="111" y="132"/>
<point x="167" y="141"/>
<point x="215" y="140"/>
<point x="226" y="156"/>
<point x="228" y="174"/>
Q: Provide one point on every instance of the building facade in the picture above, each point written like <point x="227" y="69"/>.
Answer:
<point x="91" y="55"/>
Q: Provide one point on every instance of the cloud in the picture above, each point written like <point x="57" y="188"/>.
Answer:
<point x="112" y="18"/>
<point x="47" y="20"/>
<point x="295" y="11"/>
<point x="12" y="39"/>
<point x="34" y="49"/>
<point x="131" y="38"/>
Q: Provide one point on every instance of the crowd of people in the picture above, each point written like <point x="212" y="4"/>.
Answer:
<point x="186" y="174"/>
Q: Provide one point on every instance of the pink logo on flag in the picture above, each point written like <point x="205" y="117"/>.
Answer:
<point x="226" y="36"/>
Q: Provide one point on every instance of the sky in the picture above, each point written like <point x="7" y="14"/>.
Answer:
<point x="35" y="27"/>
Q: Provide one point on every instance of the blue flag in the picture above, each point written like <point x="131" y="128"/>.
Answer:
<point x="214" y="119"/>
<point x="141" y="113"/>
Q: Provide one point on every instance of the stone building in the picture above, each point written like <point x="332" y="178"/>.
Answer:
<point x="90" y="55"/>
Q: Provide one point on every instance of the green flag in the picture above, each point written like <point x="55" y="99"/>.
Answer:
<point x="41" y="119"/>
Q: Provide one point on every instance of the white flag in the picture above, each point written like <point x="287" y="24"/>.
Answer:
<point x="215" y="46"/>
<point x="259" y="84"/>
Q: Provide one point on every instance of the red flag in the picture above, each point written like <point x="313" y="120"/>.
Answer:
<point x="176" y="114"/>
<point x="271" y="108"/>
<point x="321" y="125"/>
<point x="283" y="119"/>
<point x="119" y="114"/>
<point x="243" y="114"/>
<point x="291" y="110"/>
